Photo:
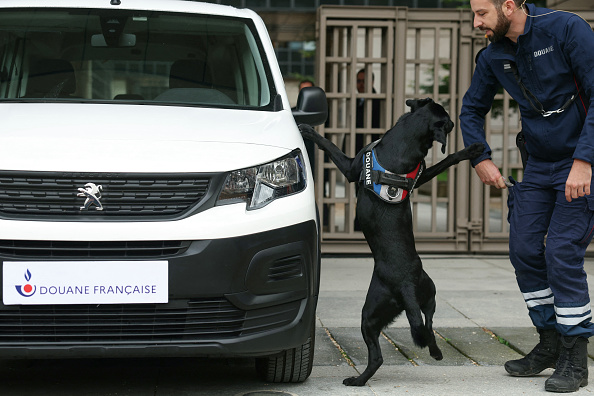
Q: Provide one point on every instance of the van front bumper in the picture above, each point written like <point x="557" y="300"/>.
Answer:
<point x="253" y="295"/>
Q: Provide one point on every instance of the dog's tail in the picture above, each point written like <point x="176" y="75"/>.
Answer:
<point x="421" y="336"/>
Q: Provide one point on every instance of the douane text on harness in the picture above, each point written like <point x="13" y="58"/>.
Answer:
<point x="368" y="166"/>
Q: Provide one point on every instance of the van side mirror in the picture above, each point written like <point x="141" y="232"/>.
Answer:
<point x="312" y="106"/>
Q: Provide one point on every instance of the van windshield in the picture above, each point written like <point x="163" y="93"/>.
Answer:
<point x="82" y="55"/>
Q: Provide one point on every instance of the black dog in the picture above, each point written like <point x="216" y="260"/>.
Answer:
<point x="399" y="282"/>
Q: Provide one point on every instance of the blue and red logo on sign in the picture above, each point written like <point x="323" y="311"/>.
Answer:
<point x="26" y="290"/>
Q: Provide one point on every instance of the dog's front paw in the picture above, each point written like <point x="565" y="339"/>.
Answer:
<point x="353" y="381"/>
<point x="474" y="150"/>
<point x="307" y="132"/>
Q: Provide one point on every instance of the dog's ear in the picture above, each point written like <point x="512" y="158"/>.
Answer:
<point x="415" y="104"/>
<point x="440" y="132"/>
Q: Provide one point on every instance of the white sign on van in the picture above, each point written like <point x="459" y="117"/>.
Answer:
<point x="84" y="282"/>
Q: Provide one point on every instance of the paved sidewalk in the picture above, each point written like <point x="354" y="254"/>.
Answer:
<point x="481" y="321"/>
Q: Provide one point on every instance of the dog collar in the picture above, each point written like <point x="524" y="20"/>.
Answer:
<point x="387" y="185"/>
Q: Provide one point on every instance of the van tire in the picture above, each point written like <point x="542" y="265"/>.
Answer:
<point x="291" y="365"/>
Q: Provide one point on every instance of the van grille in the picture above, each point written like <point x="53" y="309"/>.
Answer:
<point x="180" y="321"/>
<point x="91" y="249"/>
<point x="34" y="194"/>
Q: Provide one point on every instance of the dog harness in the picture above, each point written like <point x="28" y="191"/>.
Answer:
<point x="390" y="187"/>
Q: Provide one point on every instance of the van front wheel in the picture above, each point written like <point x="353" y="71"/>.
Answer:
<point x="291" y="365"/>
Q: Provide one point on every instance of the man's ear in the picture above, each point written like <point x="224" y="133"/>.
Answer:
<point x="415" y="104"/>
<point x="509" y="6"/>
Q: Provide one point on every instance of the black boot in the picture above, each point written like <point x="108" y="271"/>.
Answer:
<point x="572" y="366"/>
<point x="543" y="356"/>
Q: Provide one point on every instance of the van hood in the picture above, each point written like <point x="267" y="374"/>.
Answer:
<point x="140" y="138"/>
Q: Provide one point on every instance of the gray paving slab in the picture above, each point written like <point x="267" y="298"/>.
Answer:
<point x="326" y="351"/>
<point x="519" y="338"/>
<point x="420" y="356"/>
<point x="340" y="309"/>
<point x="351" y="341"/>
<point x="485" y="308"/>
<point x="456" y="274"/>
<point x="344" y="273"/>
<point x="479" y="346"/>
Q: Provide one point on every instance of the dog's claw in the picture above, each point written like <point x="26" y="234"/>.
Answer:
<point x="437" y="356"/>
<point x="435" y="352"/>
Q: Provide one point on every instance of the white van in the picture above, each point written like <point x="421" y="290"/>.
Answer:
<point x="156" y="198"/>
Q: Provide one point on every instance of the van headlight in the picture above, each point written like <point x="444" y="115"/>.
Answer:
<point x="262" y="184"/>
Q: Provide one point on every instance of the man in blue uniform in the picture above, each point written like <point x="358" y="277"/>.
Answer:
<point x="545" y="60"/>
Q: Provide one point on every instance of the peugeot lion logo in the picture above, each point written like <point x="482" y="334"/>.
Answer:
<point x="93" y="194"/>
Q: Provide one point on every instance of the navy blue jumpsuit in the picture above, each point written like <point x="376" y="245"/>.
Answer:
<point x="553" y="56"/>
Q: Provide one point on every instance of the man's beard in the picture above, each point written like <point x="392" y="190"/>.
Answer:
<point x="501" y="28"/>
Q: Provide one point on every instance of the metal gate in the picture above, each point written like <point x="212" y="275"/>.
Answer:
<point x="409" y="53"/>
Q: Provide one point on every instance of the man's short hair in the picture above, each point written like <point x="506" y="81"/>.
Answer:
<point x="363" y="71"/>
<point x="499" y="3"/>
<point x="307" y="81"/>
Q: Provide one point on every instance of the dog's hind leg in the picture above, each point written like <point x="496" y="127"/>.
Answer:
<point x="428" y="309"/>
<point x="421" y="336"/>
<point x="379" y="311"/>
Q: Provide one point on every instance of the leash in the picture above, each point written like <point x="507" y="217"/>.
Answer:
<point x="580" y="95"/>
<point x="533" y="100"/>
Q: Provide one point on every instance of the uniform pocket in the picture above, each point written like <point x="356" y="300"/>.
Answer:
<point x="589" y="214"/>
<point x="511" y="200"/>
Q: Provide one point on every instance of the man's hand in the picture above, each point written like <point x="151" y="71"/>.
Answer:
<point x="578" y="181"/>
<point x="489" y="173"/>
